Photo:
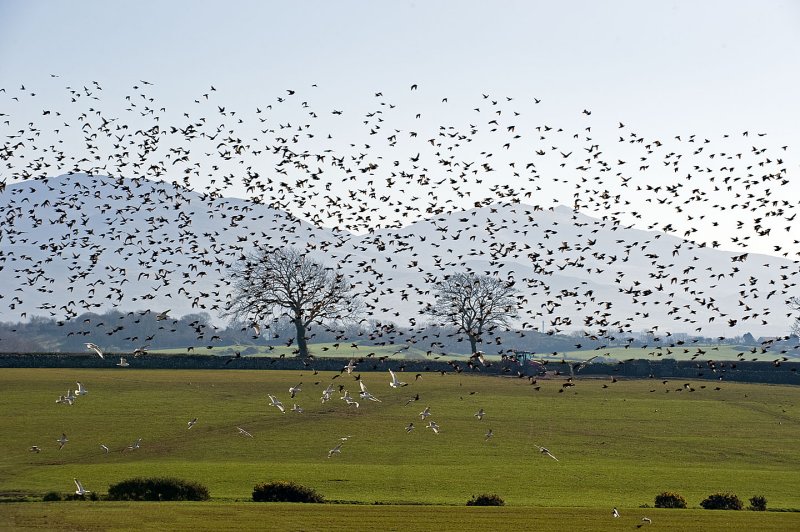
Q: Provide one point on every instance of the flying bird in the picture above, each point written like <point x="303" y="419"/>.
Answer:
<point x="95" y="348"/>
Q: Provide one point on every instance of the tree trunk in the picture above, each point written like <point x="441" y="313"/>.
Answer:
<point x="302" y="345"/>
<point x="473" y="342"/>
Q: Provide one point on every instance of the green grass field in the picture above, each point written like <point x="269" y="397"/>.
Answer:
<point x="616" y="446"/>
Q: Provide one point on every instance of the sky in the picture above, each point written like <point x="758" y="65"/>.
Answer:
<point x="664" y="69"/>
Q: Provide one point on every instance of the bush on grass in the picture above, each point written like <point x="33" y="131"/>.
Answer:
<point x="486" y="499"/>
<point x="758" y="503"/>
<point x="282" y="491"/>
<point x="157" y="489"/>
<point x="670" y="499"/>
<point x="722" y="501"/>
<point x="51" y="496"/>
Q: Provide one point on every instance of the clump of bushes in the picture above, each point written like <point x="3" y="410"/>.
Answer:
<point x="283" y="491"/>
<point x="722" y="501"/>
<point x="157" y="489"/>
<point x="52" y="496"/>
<point x="758" y="503"/>
<point x="486" y="499"/>
<point x="670" y="499"/>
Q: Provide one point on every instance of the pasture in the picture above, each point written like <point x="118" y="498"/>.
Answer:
<point x="617" y="443"/>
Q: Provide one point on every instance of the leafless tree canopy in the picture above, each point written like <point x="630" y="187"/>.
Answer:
<point x="273" y="282"/>
<point x="794" y="304"/>
<point x="475" y="304"/>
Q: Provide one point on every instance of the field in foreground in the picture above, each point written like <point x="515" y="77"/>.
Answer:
<point x="617" y="443"/>
<point x="256" y="516"/>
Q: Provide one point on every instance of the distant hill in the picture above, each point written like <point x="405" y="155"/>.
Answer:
<point x="79" y="243"/>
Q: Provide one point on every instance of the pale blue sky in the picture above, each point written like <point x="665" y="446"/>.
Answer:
<point x="683" y="61"/>
<point x="663" y="68"/>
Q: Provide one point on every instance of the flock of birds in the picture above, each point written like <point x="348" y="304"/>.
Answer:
<point x="397" y="202"/>
<point x="150" y="220"/>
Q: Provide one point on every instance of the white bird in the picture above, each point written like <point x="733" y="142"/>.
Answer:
<point x="34" y="449"/>
<point x="256" y="329"/>
<point x="614" y="513"/>
<point x="274" y="401"/>
<point x="294" y="389"/>
<point x="62" y="441"/>
<point x="135" y="445"/>
<point x="80" y="490"/>
<point x="544" y="450"/>
<point x="349" y="367"/>
<point x="396" y="383"/>
<point x="327" y="392"/>
<point x="95" y="348"/>
<point x="349" y="400"/>
<point x="192" y="423"/>
<point x="123" y="362"/>
<point x="433" y="426"/>
<point x="410" y="427"/>
<point x="335" y="450"/>
<point x="161" y="316"/>
<point x="296" y="408"/>
<point x="105" y="448"/>
<point x="647" y="520"/>
<point x="488" y="435"/>
<point x="425" y="413"/>
<point x="365" y="394"/>
<point x="244" y="432"/>
<point x="62" y="400"/>
<point x="479" y="414"/>
<point x="81" y="390"/>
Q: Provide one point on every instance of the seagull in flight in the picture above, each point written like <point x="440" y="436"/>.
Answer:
<point x="396" y="383"/>
<point x="135" y="445"/>
<point x="244" y="432"/>
<point x="80" y="490"/>
<point x="433" y="426"/>
<point x="425" y="413"/>
<point x="95" y="348"/>
<point x="104" y="447"/>
<point x="81" y="390"/>
<point x="410" y="427"/>
<point x="365" y="394"/>
<point x="488" y="435"/>
<point x="123" y="362"/>
<point x="274" y="401"/>
<point x="296" y="408"/>
<point x="349" y="367"/>
<point x="62" y="441"/>
<point x="335" y="450"/>
<point x="327" y="392"/>
<point x="192" y="423"/>
<point x="34" y="449"/>
<point x="614" y="513"/>
<point x="479" y="414"/>
<point x="294" y="389"/>
<point x="544" y="450"/>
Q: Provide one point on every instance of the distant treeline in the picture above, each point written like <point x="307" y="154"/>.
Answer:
<point x="124" y="332"/>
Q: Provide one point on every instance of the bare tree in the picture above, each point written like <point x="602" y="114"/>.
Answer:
<point x="475" y="304"/>
<point x="794" y="304"/>
<point x="284" y="281"/>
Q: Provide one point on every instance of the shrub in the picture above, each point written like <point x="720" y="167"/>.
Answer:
<point x="51" y="496"/>
<point x="157" y="489"/>
<point x="722" y="501"/>
<point x="758" y="503"/>
<point x="282" y="491"/>
<point x="486" y="499"/>
<point x="670" y="499"/>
